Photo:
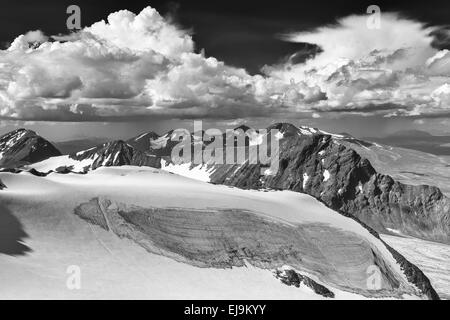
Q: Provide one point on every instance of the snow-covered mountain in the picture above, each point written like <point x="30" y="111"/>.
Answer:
<point x="115" y="153"/>
<point x="327" y="166"/>
<point x="405" y="165"/>
<point x="143" y="141"/>
<point x="152" y="144"/>
<point x="160" y="243"/>
<point x="24" y="146"/>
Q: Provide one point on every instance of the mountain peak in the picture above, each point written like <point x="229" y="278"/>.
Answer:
<point x="146" y="135"/>
<point x="143" y="141"/>
<point x="345" y="134"/>
<point x="23" y="146"/>
<point x="109" y="154"/>
<point x="104" y="150"/>
<point x="283" y="127"/>
<point x="21" y="130"/>
<point x="243" y="127"/>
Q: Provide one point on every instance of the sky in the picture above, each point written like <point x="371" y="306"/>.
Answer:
<point x="137" y="66"/>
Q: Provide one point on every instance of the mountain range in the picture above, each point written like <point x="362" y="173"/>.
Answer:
<point x="335" y="169"/>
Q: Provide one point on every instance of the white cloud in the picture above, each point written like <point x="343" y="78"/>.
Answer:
<point x="129" y="66"/>
<point x="350" y="39"/>
<point x="148" y="31"/>
<point x="394" y="67"/>
<point x="136" y="66"/>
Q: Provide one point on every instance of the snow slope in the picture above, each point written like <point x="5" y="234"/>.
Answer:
<point x="118" y="268"/>
<point x="52" y="164"/>
<point x="431" y="257"/>
<point x="199" y="172"/>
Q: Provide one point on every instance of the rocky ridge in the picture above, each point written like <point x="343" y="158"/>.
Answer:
<point x="23" y="146"/>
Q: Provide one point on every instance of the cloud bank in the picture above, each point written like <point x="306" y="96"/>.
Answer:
<point x="393" y="71"/>
<point x="134" y="67"/>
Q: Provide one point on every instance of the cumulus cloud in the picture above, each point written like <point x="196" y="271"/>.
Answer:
<point x="137" y="66"/>
<point x="31" y="37"/>
<point x="391" y="71"/>
<point x="128" y="67"/>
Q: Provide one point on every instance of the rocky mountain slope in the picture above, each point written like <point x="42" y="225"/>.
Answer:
<point x="23" y="147"/>
<point x="143" y="142"/>
<point x="288" y="242"/>
<point x="311" y="161"/>
<point x="326" y="167"/>
<point x="405" y="165"/>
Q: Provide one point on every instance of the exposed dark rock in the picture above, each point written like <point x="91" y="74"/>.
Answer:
<point x="116" y="153"/>
<point x="35" y="172"/>
<point x="2" y="186"/>
<point x="153" y="145"/>
<point x="291" y="278"/>
<point x="143" y="141"/>
<point x="92" y="212"/>
<point x="24" y="147"/>
<point x="312" y="162"/>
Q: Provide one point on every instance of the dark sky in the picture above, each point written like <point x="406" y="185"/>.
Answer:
<point x="241" y="33"/>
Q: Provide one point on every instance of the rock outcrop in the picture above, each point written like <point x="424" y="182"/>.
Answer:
<point x="143" y="141"/>
<point x="111" y="154"/>
<point x="292" y="278"/>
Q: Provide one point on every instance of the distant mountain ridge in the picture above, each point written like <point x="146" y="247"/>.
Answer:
<point x="23" y="146"/>
<point x="110" y="154"/>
